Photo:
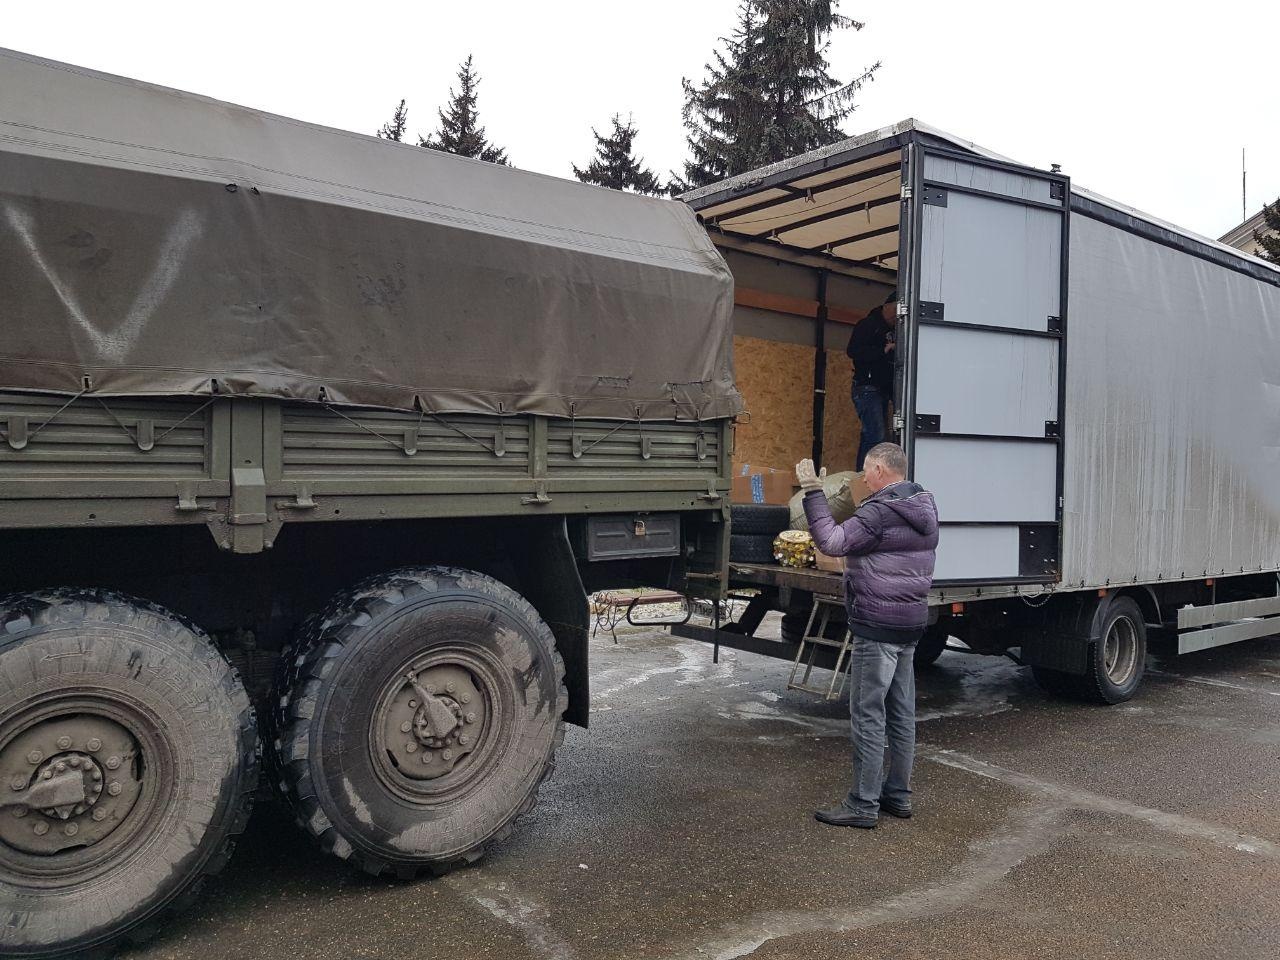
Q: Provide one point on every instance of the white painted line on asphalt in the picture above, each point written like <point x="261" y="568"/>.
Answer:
<point x="1027" y="832"/>
<point x="1075" y="797"/>
<point x="1210" y="682"/>
<point x="524" y="915"/>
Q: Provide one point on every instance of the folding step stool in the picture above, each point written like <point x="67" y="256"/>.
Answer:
<point x="819" y="617"/>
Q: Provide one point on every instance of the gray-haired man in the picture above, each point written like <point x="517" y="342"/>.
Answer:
<point x="890" y="541"/>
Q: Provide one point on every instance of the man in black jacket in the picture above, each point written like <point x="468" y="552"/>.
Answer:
<point x="871" y="349"/>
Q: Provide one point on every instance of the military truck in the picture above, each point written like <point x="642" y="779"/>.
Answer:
<point x="335" y="426"/>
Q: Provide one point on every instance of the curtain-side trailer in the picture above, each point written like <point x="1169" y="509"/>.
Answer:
<point x="1090" y="393"/>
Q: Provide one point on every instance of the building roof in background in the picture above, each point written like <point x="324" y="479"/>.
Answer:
<point x="1244" y="232"/>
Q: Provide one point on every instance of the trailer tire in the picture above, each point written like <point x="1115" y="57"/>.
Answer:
<point x="88" y="679"/>
<point x="750" y="548"/>
<point x="1115" y="662"/>
<point x="402" y="775"/>
<point x="763" y="519"/>
<point x="795" y="619"/>
<point x="931" y="645"/>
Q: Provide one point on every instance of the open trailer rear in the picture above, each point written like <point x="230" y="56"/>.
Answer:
<point x="1090" y="394"/>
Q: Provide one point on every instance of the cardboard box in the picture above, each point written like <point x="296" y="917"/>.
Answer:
<point x="829" y="564"/>
<point x="753" y="483"/>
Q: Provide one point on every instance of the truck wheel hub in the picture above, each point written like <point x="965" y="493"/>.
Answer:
<point x="69" y="782"/>
<point x="431" y="721"/>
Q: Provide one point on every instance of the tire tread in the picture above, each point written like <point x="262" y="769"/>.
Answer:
<point x="69" y="605"/>
<point x="321" y="642"/>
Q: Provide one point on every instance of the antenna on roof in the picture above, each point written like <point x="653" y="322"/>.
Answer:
<point x="1244" y="182"/>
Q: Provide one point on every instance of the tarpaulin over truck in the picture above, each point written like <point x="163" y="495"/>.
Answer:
<point x="156" y="242"/>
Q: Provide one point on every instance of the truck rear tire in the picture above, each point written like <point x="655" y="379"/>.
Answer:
<point x="795" y="619"/>
<point x="425" y="713"/>
<point x="1116" y="662"/>
<point x="135" y="742"/>
<point x="931" y="645"/>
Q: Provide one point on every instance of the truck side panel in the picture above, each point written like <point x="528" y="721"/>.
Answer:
<point x="1173" y="414"/>
<point x="246" y="468"/>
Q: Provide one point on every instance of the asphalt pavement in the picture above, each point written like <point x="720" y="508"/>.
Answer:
<point x="679" y="827"/>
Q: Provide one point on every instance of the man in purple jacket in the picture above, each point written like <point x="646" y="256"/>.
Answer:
<point x="890" y="543"/>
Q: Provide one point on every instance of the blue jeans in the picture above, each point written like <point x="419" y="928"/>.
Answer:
<point x="869" y="402"/>
<point x="882" y="708"/>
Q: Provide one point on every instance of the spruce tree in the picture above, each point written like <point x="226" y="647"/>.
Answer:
<point x="393" y="129"/>
<point x="1269" y="239"/>
<point x="808" y="103"/>
<point x="725" y="113"/>
<point x="769" y="94"/>
<point x="615" y="164"/>
<point x="460" y="131"/>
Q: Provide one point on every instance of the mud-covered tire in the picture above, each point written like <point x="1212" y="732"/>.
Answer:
<point x="760" y="519"/>
<point x="750" y="548"/>
<point x="357" y="788"/>
<point x="89" y="660"/>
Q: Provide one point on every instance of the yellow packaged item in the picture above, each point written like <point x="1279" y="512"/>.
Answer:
<point x="793" y="548"/>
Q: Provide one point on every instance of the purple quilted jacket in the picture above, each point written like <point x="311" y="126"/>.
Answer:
<point x="890" y="543"/>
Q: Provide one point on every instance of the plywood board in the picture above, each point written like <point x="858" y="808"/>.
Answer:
<point x="776" y="381"/>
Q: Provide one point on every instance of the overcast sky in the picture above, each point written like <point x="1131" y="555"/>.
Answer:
<point x="1137" y="100"/>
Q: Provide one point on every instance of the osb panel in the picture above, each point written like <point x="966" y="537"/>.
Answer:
<point x="776" y="380"/>
<point x="841" y="428"/>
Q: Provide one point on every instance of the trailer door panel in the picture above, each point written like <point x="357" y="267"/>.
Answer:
<point x="984" y="347"/>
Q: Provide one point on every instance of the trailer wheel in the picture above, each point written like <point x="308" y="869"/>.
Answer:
<point x="425" y="713"/>
<point x="128" y="761"/>
<point x="1116" y="662"/>
<point x="795" y="619"/>
<point x="931" y="645"/>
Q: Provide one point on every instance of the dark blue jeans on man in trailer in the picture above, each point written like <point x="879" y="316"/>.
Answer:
<point x="882" y="709"/>
<point x="869" y="402"/>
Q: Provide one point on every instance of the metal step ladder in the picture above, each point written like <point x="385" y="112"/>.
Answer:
<point x="814" y="638"/>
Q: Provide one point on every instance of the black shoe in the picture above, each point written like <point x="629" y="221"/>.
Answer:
<point x="901" y="811"/>
<point x="842" y="816"/>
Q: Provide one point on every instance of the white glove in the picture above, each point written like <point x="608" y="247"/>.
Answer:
<point x="807" y="479"/>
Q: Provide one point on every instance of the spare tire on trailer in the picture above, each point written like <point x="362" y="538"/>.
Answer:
<point x="750" y="548"/>
<point x="424" y="713"/>
<point x="135" y="743"/>
<point x="762" y="519"/>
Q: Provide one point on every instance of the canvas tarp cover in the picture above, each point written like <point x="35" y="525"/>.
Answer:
<point x="156" y="242"/>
